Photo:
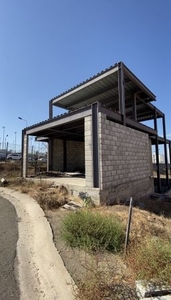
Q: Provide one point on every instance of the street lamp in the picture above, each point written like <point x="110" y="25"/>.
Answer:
<point x="23" y="120"/>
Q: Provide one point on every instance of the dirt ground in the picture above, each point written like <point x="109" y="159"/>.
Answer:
<point x="79" y="263"/>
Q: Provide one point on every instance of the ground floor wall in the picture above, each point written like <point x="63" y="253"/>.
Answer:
<point x="68" y="156"/>
<point x="125" y="162"/>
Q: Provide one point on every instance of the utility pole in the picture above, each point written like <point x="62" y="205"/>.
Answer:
<point x="6" y="141"/>
<point x="15" y="139"/>
<point x="3" y="134"/>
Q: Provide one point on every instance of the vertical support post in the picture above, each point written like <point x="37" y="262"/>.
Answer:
<point x="50" y="110"/>
<point x="134" y="108"/>
<point x="24" y="154"/>
<point x="95" y="144"/>
<point x="121" y="89"/>
<point x="128" y="225"/>
<point x="6" y="150"/>
<point x="65" y="155"/>
<point x="165" y="151"/>
<point x="50" y="155"/>
<point x="157" y="152"/>
<point x="170" y="155"/>
<point x="22" y="151"/>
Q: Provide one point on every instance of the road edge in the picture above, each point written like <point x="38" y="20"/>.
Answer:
<point x="41" y="271"/>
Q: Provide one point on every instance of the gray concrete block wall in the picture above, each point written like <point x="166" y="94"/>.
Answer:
<point x="88" y="151"/>
<point x="58" y="155"/>
<point x="125" y="156"/>
<point x="75" y="156"/>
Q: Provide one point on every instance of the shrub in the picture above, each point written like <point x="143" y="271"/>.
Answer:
<point x="92" y="231"/>
<point x="152" y="260"/>
<point x="50" y="201"/>
<point x="51" y="198"/>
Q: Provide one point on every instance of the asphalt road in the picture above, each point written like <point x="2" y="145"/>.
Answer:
<point x="8" y="240"/>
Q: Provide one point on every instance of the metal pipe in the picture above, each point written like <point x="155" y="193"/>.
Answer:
<point x="128" y="224"/>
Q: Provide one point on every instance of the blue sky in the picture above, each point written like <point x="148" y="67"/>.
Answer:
<point x="48" y="46"/>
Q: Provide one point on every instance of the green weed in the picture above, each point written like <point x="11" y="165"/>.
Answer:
<point x="93" y="232"/>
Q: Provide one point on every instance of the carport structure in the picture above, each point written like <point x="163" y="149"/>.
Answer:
<point x="103" y="134"/>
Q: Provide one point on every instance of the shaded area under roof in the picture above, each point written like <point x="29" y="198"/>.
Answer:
<point x="73" y="131"/>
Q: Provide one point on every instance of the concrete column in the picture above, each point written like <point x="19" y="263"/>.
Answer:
<point x="95" y="143"/>
<point x="24" y="154"/>
<point x="50" y="155"/>
<point x="88" y="151"/>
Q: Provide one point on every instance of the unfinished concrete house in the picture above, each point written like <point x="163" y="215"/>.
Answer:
<point x="103" y="135"/>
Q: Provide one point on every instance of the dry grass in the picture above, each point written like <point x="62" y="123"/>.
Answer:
<point x="50" y="198"/>
<point x="145" y="226"/>
<point x="42" y="192"/>
<point x="104" y="281"/>
<point x="142" y="255"/>
<point x="151" y="260"/>
<point x="143" y="223"/>
<point x="10" y="169"/>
